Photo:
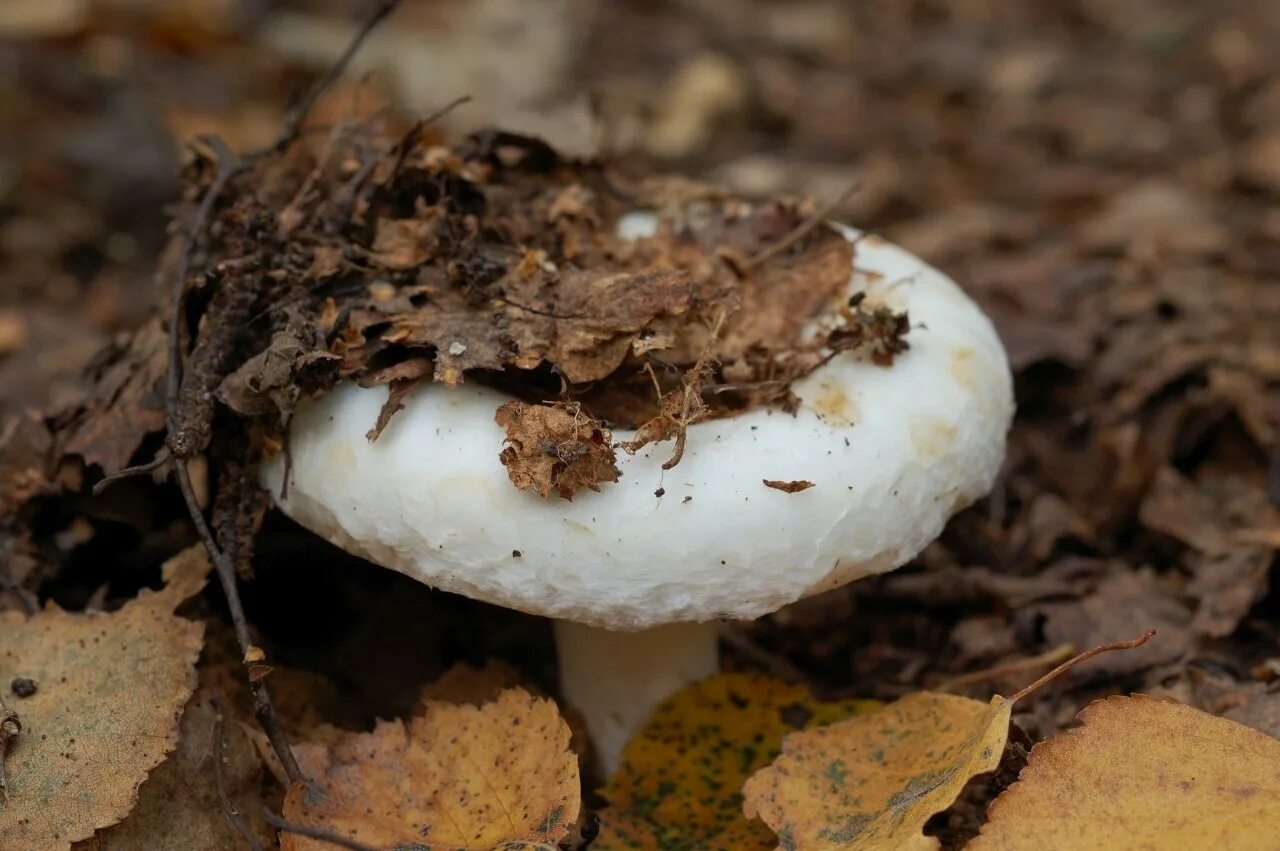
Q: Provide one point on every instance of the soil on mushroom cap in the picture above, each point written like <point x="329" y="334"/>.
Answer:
<point x="385" y="259"/>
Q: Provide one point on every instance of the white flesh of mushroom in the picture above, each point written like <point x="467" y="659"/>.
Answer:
<point x="892" y="452"/>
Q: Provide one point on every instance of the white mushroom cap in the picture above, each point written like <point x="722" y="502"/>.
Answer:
<point x="892" y="451"/>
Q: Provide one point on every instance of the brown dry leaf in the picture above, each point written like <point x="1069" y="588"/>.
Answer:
<point x="456" y="776"/>
<point x="1109" y="613"/>
<point x="178" y="805"/>
<point x="126" y="402"/>
<point x="872" y="782"/>
<point x="678" y="785"/>
<point x="1142" y="773"/>
<point x="556" y="448"/>
<point x="110" y="690"/>
<point x="788" y="487"/>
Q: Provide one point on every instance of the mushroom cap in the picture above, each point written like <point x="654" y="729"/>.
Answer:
<point x="892" y="451"/>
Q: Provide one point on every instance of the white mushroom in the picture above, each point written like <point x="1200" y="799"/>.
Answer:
<point x="637" y="581"/>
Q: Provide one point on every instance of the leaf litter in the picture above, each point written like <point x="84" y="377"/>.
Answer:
<point x="454" y="776"/>
<point x="1143" y="346"/>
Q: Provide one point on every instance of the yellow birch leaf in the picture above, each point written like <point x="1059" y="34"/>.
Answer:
<point x="1142" y="773"/>
<point x="109" y="690"/>
<point x="456" y="776"/>
<point x="679" y="784"/>
<point x="872" y="782"/>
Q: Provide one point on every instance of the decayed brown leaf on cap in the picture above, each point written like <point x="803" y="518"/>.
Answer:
<point x="456" y="776"/>
<point x="679" y="785"/>
<point x="873" y="781"/>
<point x="1142" y="773"/>
<point x="555" y="448"/>
<point x="178" y="805"/>
<point x="788" y="487"/>
<point x="111" y="687"/>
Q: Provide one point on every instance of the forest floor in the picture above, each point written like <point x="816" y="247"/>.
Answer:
<point x="1102" y="178"/>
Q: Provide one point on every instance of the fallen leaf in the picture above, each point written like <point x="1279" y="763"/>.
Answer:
<point x="788" y="487"/>
<point x="1109" y="613"/>
<point x="873" y="781"/>
<point x="455" y="776"/>
<point x="111" y="690"/>
<point x="680" y="779"/>
<point x="555" y="448"/>
<point x="1142" y="773"/>
<point x="179" y="806"/>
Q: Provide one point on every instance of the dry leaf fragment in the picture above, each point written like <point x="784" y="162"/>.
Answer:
<point x="1142" y="773"/>
<point x="678" y="785"/>
<point x="556" y="448"/>
<point x="788" y="487"/>
<point x="873" y="781"/>
<point x="179" y="806"/>
<point x="456" y="776"/>
<point x="112" y="688"/>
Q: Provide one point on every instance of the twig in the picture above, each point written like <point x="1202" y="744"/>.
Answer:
<point x="162" y="458"/>
<point x="221" y="782"/>
<point x="315" y="833"/>
<point x="297" y="115"/>
<point x="228" y="166"/>
<point x="10" y="726"/>
<point x="1052" y="657"/>
<point x="804" y="229"/>
<point x="1084" y="657"/>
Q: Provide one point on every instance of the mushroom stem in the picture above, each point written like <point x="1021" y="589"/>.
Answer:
<point x="615" y="679"/>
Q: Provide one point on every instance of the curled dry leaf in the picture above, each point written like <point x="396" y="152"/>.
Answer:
<point x="788" y="487"/>
<point x="873" y="781"/>
<point x="456" y="776"/>
<point x="111" y="689"/>
<point x="555" y="448"/>
<point x="1142" y="773"/>
<point x="678" y="785"/>
<point x="179" y="806"/>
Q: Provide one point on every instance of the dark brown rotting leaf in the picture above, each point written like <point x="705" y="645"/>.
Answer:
<point x="555" y="449"/>
<point x="788" y="487"/>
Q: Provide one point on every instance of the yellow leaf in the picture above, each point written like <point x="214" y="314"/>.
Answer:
<point x="110" y="687"/>
<point x="179" y="805"/>
<point x="872" y="782"/>
<point x="1142" y="773"/>
<point x="456" y="776"/>
<point x="679" y="783"/>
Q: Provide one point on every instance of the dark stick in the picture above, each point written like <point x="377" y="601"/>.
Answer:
<point x="162" y="457"/>
<point x="263" y="709"/>
<point x="221" y="782"/>
<point x="228" y="166"/>
<point x="316" y="833"/>
<point x="297" y="115"/>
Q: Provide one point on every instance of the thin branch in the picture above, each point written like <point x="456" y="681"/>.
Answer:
<point x="315" y="833"/>
<point x="295" y="118"/>
<point x="162" y="457"/>
<point x="804" y="229"/>
<point x="233" y="815"/>
<point x="1084" y="657"/>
